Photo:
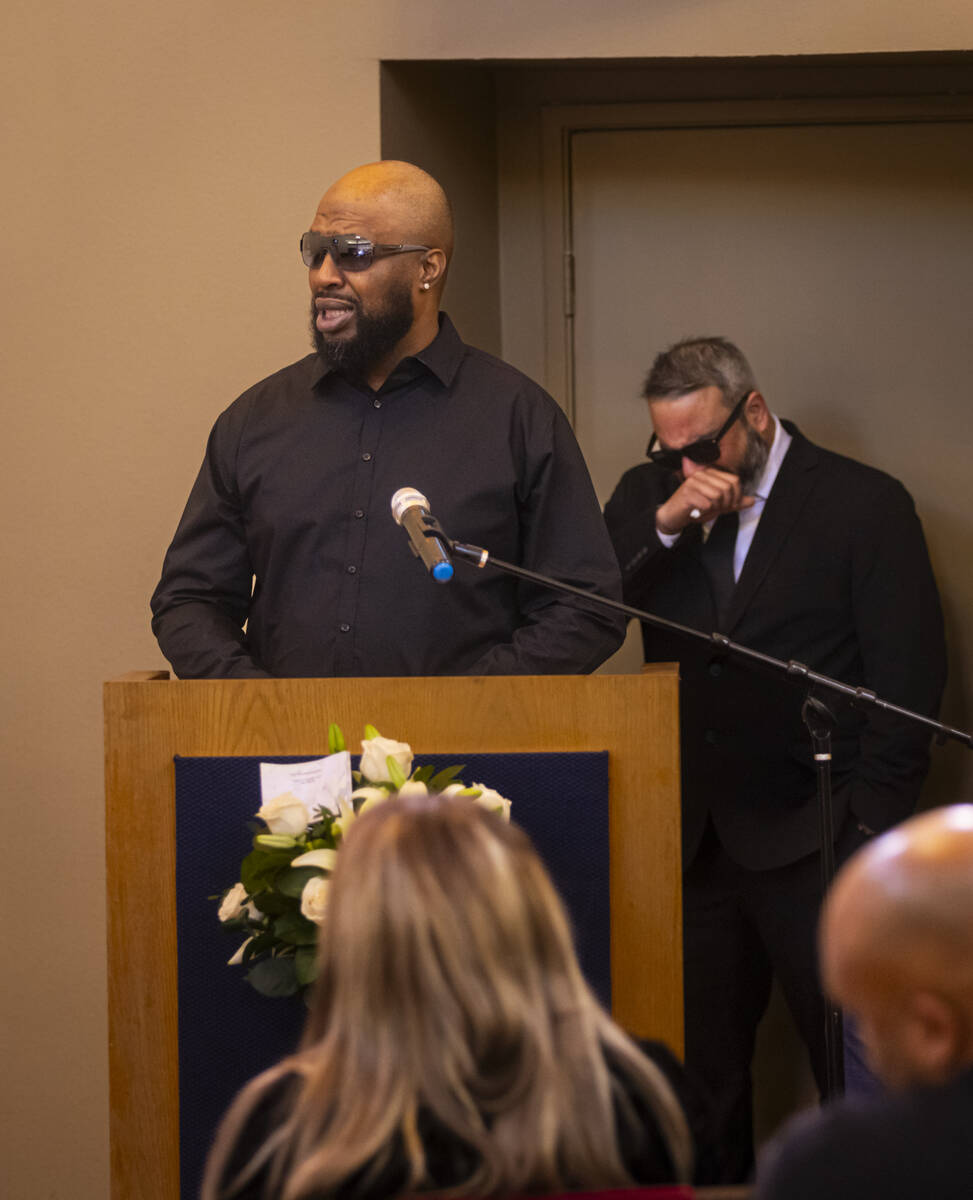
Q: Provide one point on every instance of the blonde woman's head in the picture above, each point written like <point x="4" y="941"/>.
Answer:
<point x="449" y="990"/>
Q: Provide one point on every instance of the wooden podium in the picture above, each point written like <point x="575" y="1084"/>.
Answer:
<point x="149" y="719"/>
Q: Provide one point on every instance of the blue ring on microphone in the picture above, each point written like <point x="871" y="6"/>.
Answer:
<point x="442" y="572"/>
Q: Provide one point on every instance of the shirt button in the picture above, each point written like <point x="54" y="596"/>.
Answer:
<point x="352" y="569"/>
<point x="344" y="627"/>
<point x="359" y="513"/>
<point x="366" y="457"/>
<point x="377" y="403"/>
<point x="716" y="669"/>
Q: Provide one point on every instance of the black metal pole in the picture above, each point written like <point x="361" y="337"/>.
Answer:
<point x="820" y="722"/>
<point x="720" y="642"/>
<point x="817" y="717"/>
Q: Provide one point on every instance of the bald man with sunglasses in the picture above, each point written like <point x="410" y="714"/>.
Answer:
<point x="287" y="560"/>
<point x="737" y="523"/>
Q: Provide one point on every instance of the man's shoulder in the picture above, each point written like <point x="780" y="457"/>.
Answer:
<point x="285" y="388"/>
<point x="301" y="375"/>
<point x="839" y="468"/>
<point x="886" y="1141"/>
<point x="643" y="484"/>
<point x="508" y="380"/>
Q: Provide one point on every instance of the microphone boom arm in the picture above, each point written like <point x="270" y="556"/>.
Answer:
<point x="861" y="696"/>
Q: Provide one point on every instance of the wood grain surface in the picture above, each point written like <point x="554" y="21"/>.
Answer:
<point x="149" y="719"/>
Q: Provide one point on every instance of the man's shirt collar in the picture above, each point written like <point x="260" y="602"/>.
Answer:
<point x="441" y="358"/>
<point x="778" y="448"/>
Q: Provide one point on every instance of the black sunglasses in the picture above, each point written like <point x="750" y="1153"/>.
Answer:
<point x="349" y="251"/>
<point x="706" y="450"/>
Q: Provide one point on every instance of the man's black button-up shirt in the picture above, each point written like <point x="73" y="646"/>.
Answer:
<point x="288" y="529"/>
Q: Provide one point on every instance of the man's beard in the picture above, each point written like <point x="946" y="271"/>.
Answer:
<point x="753" y="462"/>
<point x="376" y="334"/>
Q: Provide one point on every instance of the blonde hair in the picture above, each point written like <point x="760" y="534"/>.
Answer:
<point x="448" y="984"/>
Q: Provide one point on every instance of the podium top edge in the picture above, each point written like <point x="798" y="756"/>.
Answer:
<point x="155" y="676"/>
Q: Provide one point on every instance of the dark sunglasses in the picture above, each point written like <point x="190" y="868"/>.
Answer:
<point x="706" y="450"/>
<point x="349" y="251"/>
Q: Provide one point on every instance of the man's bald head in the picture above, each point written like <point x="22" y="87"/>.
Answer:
<point x="406" y="202"/>
<point x="366" y="318"/>
<point x="897" y="946"/>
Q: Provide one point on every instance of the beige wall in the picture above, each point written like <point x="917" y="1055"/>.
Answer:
<point x="158" y="161"/>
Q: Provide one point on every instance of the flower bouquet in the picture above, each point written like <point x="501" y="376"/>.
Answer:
<point x="282" y="894"/>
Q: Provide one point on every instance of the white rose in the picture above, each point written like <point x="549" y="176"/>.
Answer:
<point x="492" y="800"/>
<point x="234" y="903"/>
<point x="375" y="751"/>
<point x="285" y="814"/>
<point x="413" y="787"/>
<point x="314" y="898"/>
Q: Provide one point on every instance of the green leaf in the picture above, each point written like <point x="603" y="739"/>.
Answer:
<point x="259" y="869"/>
<point x="324" y="838"/>
<point x="306" y="964"/>
<point x="291" y="881"/>
<point x="273" y="903"/>
<point x="274" y="977"/>
<point x="336" y="739"/>
<point x="371" y="732"/>
<point x="423" y="774"/>
<point x="296" y="929"/>
<point x="445" y="777"/>
<point x="258" y="945"/>
<point x="396" y="774"/>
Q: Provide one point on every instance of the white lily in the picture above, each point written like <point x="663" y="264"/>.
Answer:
<point x="324" y="859"/>
<point x="238" y="957"/>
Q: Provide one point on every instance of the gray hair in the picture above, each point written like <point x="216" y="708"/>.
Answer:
<point x="696" y="363"/>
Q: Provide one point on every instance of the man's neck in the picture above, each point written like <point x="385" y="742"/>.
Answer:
<point x="422" y="334"/>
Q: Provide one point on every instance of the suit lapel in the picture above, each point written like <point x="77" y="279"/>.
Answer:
<point x="783" y="506"/>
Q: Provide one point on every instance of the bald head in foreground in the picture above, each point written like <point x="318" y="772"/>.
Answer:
<point x="287" y="561"/>
<point x="897" y="953"/>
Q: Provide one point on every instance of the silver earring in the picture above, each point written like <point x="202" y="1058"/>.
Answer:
<point x="425" y="287"/>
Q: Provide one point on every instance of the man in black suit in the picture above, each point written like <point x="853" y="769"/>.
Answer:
<point x="739" y="523"/>
<point x="897" y="951"/>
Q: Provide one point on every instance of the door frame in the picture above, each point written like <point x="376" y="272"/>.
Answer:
<point x="561" y="124"/>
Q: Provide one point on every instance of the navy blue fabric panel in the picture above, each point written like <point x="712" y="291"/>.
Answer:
<point x="227" y="1032"/>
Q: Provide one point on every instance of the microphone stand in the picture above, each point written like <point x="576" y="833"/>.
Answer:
<point x="816" y="715"/>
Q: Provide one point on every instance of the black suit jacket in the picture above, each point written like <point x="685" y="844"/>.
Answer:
<point x="892" y="1147"/>
<point x="837" y="577"/>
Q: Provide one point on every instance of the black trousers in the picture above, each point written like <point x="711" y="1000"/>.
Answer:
<point x="740" y="928"/>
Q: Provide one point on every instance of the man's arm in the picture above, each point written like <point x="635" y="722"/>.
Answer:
<point x="631" y="518"/>
<point x="899" y="625"/>
<point x="202" y="600"/>
<point x="562" y="535"/>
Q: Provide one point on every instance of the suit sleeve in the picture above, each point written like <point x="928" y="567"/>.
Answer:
<point x="630" y="518"/>
<point x="202" y="600"/>
<point x="899" y="625"/>
<point x="563" y="535"/>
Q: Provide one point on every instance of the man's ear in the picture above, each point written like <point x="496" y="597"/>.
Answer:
<point x="433" y="268"/>
<point x="756" y="412"/>
<point x="936" y="1032"/>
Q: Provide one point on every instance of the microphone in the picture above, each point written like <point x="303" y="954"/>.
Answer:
<point x="410" y="509"/>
